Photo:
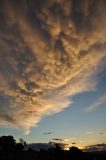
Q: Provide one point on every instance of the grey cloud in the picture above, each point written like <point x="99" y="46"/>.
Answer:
<point x="57" y="139"/>
<point x="48" y="133"/>
<point x="49" y="51"/>
<point x="96" y="147"/>
<point x="103" y="133"/>
<point x="39" y="146"/>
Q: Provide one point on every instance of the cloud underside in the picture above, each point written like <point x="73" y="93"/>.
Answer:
<point x="49" y="52"/>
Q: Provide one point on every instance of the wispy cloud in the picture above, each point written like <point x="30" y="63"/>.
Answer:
<point x="98" y="103"/>
<point x="89" y="132"/>
<point x="48" y="133"/>
<point x="57" y="139"/>
<point x="103" y="133"/>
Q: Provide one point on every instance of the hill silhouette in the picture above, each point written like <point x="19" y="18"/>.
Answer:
<point x="11" y="150"/>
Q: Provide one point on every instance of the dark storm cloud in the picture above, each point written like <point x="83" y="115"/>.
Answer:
<point x="49" y="51"/>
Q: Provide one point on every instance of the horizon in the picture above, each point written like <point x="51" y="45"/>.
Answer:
<point x="52" y="144"/>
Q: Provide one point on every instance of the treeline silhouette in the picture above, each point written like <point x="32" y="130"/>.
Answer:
<point x="11" y="150"/>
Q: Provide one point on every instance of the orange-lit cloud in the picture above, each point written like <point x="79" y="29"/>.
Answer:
<point x="49" y="52"/>
<point x="66" y="143"/>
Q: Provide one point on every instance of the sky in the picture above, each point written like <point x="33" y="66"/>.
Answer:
<point x="53" y="71"/>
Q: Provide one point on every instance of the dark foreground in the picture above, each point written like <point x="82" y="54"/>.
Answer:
<point x="10" y="150"/>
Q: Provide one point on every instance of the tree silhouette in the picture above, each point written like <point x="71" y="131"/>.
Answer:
<point x="75" y="153"/>
<point x="7" y="143"/>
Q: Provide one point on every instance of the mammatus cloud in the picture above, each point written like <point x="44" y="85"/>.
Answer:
<point x="49" y="52"/>
<point x="100" y="101"/>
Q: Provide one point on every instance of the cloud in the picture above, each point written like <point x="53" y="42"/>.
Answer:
<point x="103" y="133"/>
<point x="100" y="101"/>
<point x="89" y="132"/>
<point x="66" y="143"/>
<point x="39" y="146"/>
<point x="48" y="133"/>
<point x="57" y="139"/>
<point x="69" y="139"/>
<point x="96" y="147"/>
<point x="49" y="52"/>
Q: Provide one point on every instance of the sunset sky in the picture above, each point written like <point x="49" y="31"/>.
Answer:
<point x="53" y="71"/>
